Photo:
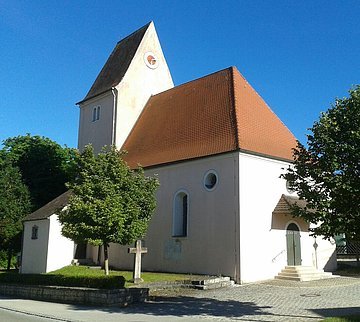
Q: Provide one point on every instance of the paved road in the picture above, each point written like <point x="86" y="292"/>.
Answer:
<point x="268" y="301"/>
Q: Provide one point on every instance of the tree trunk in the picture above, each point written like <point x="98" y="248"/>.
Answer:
<point x="9" y="256"/>
<point x="99" y="255"/>
<point x="106" y="259"/>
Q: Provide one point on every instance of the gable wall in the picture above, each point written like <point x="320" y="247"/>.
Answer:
<point x="34" y="251"/>
<point x="260" y="191"/>
<point x="139" y="83"/>
<point x="211" y="244"/>
<point x="60" y="248"/>
<point x="263" y="251"/>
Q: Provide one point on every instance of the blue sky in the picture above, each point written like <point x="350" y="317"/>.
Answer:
<point x="298" y="55"/>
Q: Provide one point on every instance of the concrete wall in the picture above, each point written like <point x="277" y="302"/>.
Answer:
<point x="211" y="246"/>
<point x="60" y="248"/>
<point x="34" y="251"/>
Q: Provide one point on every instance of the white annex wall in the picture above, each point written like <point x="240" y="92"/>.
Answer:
<point x="211" y="246"/>
<point x="34" y="251"/>
<point x="60" y="248"/>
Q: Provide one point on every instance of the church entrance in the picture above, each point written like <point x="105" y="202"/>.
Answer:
<point x="293" y="245"/>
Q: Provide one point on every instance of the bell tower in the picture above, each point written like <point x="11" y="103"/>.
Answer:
<point x="135" y="70"/>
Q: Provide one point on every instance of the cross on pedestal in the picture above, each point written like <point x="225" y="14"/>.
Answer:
<point x="138" y="250"/>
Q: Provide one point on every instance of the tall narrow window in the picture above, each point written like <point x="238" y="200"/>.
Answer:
<point x="34" y="232"/>
<point x="180" y="215"/>
<point x="96" y="113"/>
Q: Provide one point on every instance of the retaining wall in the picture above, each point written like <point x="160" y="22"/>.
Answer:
<point x="77" y="295"/>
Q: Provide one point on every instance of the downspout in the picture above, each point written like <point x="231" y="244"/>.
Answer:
<point x="114" y="91"/>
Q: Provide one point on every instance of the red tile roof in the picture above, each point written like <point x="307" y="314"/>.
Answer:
<point x="214" y="114"/>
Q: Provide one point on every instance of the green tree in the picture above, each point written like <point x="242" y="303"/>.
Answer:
<point x="14" y="206"/>
<point x="327" y="173"/>
<point x="45" y="166"/>
<point x="111" y="203"/>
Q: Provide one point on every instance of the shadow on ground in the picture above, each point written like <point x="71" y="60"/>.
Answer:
<point x="182" y="306"/>
<point x="335" y="312"/>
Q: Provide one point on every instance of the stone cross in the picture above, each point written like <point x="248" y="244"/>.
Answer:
<point x="138" y="250"/>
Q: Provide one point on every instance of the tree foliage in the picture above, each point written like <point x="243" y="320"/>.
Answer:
<point x="45" y="166"/>
<point x="110" y="204"/>
<point x="327" y="173"/>
<point x="14" y="206"/>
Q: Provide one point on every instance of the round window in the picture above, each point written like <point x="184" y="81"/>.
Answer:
<point x="210" y="180"/>
<point x="151" y="60"/>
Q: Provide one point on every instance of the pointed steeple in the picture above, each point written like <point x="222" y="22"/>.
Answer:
<point x="117" y="64"/>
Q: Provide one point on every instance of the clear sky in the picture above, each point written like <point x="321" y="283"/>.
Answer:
<point x="298" y="55"/>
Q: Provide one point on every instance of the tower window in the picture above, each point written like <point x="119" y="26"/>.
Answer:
<point x="96" y="113"/>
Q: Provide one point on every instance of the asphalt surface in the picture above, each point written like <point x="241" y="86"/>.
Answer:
<point x="266" y="301"/>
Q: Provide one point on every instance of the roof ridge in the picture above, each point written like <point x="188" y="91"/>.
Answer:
<point x="233" y="98"/>
<point x="146" y="26"/>
<point x="268" y="106"/>
<point x="194" y="80"/>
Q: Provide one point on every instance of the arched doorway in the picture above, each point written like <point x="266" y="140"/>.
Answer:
<point x="293" y="245"/>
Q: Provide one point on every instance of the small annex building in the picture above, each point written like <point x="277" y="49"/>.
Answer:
<point x="218" y="151"/>
<point x="44" y="248"/>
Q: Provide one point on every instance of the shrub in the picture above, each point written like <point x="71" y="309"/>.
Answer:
<point x="104" y="282"/>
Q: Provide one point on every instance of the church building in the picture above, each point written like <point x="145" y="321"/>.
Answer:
<point x="218" y="151"/>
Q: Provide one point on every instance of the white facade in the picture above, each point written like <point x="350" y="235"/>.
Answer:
<point x="231" y="230"/>
<point x="47" y="252"/>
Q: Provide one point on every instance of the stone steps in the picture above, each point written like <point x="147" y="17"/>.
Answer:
<point x="302" y="274"/>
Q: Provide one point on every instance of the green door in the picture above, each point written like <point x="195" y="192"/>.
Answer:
<point x="293" y="245"/>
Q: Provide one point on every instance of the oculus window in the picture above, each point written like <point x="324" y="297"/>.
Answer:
<point x="210" y="180"/>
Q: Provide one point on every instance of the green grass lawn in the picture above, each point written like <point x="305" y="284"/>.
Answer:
<point x="343" y="319"/>
<point x="148" y="277"/>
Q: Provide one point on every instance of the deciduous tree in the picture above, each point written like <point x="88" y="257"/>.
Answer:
<point x="14" y="206"/>
<point x="45" y="166"/>
<point x="110" y="204"/>
<point x="326" y="173"/>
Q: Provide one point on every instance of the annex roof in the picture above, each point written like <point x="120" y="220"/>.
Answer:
<point x="285" y="202"/>
<point x="50" y="208"/>
<point x="117" y="64"/>
<point x="215" y="114"/>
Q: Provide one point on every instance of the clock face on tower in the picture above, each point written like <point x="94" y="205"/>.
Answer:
<point x="151" y="60"/>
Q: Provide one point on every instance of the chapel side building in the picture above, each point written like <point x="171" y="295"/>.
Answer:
<point x="218" y="151"/>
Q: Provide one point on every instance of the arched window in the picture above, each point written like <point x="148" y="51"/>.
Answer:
<point x="180" y="214"/>
<point x="96" y="113"/>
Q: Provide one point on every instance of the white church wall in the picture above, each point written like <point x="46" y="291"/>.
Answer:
<point x="34" y="251"/>
<point x="97" y="132"/>
<point x="139" y="83"/>
<point x="60" y="248"/>
<point x="262" y="251"/>
<point x="211" y="246"/>
<point x="263" y="235"/>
